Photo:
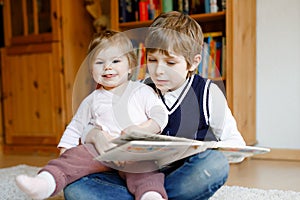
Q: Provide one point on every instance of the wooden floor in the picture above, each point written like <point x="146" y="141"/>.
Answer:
<point x="254" y="173"/>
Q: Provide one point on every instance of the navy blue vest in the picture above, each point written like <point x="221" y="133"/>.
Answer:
<point x="188" y="119"/>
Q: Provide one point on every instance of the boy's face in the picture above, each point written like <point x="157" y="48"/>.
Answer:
<point x="167" y="72"/>
<point x="111" y="68"/>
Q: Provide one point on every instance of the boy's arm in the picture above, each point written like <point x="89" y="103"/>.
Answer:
<point x="150" y="126"/>
<point x="221" y="119"/>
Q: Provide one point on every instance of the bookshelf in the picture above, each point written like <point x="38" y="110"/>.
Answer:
<point x="238" y="25"/>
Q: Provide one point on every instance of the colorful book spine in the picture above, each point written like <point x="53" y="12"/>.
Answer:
<point x="151" y="10"/>
<point x="212" y="56"/>
<point x="142" y="62"/>
<point x="223" y="59"/>
<point x="207" y="6"/>
<point x="143" y="11"/>
<point x="218" y="69"/>
<point x="126" y="11"/>
<point x="167" y="5"/>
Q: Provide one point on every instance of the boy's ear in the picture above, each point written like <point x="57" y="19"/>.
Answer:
<point x="196" y="62"/>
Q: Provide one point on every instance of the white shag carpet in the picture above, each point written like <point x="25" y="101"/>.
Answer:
<point x="9" y="190"/>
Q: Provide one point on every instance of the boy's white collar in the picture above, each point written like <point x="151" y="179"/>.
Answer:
<point x="172" y="96"/>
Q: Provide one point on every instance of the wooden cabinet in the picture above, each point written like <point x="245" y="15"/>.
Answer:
<point x="238" y="23"/>
<point x="45" y="44"/>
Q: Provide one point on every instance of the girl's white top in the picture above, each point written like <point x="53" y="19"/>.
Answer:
<point x="114" y="113"/>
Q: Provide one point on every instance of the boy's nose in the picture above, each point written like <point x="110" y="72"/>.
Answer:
<point x="160" y="69"/>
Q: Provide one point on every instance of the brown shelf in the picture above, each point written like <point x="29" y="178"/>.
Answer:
<point x="203" y="17"/>
<point x="207" y="17"/>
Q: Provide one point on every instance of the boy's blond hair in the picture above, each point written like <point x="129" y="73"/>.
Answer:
<point x="175" y="32"/>
<point x="107" y="38"/>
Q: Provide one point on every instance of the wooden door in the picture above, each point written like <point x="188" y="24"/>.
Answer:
<point x="33" y="96"/>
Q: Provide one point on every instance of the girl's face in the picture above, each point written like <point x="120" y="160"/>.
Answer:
<point x="111" y="68"/>
<point x="167" y="72"/>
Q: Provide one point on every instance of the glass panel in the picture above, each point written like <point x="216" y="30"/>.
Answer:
<point x="17" y="24"/>
<point x="44" y="16"/>
<point x="30" y="17"/>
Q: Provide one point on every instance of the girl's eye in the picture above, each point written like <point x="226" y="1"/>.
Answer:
<point x="116" y="61"/>
<point x="99" y="63"/>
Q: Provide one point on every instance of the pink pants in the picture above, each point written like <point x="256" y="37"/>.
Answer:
<point x="78" y="162"/>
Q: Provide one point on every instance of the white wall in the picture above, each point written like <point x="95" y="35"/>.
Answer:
<point x="278" y="73"/>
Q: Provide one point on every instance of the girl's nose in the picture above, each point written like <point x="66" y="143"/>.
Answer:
<point x="107" y="66"/>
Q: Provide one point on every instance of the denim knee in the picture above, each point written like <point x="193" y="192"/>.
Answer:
<point x="199" y="177"/>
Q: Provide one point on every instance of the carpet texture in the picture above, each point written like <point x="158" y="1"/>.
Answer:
<point x="8" y="187"/>
<point x="9" y="190"/>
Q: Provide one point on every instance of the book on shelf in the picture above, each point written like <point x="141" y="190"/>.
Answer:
<point x="213" y="53"/>
<point x="143" y="146"/>
<point x="212" y="65"/>
<point x="142" y="10"/>
<point x="138" y="10"/>
<point x="141" y="69"/>
<point x="196" y="6"/>
<point x="126" y="11"/>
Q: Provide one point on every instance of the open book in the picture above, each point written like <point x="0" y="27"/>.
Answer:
<point x="142" y="146"/>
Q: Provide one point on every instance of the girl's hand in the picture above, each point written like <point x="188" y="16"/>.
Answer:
<point x="100" y="139"/>
<point x="62" y="150"/>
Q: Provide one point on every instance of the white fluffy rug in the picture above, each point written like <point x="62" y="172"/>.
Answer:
<point x="9" y="190"/>
<point x="242" y="193"/>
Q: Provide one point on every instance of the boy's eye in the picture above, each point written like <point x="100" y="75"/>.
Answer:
<point x="171" y="63"/>
<point x="151" y="60"/>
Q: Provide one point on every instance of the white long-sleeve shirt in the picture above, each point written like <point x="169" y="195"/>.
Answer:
<point x="114" y="113"/>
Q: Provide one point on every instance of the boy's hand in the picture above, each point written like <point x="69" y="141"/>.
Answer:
<point x="132" y="128"/>
<point x="100" y="139"/>
<point x="150" y="126"/>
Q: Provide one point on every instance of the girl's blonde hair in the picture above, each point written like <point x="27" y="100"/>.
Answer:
<point x="175" y="32"/>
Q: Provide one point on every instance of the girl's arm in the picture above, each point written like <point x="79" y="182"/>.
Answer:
<point x="76" y="127"/>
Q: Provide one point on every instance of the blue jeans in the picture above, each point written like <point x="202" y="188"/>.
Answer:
<point x="197" y="177"/>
